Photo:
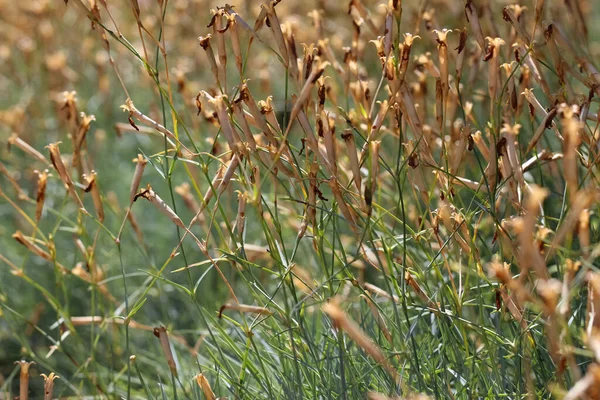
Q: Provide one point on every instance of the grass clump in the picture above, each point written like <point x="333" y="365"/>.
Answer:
<point x="369" y="199"/>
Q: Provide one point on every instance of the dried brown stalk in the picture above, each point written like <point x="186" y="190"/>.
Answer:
<point x="161" y="333"/>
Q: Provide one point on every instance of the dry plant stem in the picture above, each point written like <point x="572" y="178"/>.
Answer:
<point x="235" y="42"/>
<point x="205" y="44"/>
<point x="304" y="95"/>
<point x="92" y="187"/>
<point x="205" y="386"/>
<point x="24" y="379"/>
<point x="473" y="19"/>
<point x="15" y="140"/>
<point x="121" y="127"/>
<point x="49" y="385"/>
<point x="220" y="37"/>
<point x="41" y="193"/>
<point x="529" y="255"/>
<point x="161" y="334"/>
<point x="244" y="308"/>
<point x="150" y="122"/>
<point x="20" y="192"/>
<point x="348" y="137"/>
<point x="343" y="322"/>
<point x="378" y="318"/>
<point x="133" y="189"/>
<point x="275" y="26"/>
<point x="62" y="172"/>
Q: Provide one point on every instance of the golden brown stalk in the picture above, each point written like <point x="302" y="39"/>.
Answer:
<point x="493" y="66"/>
<point x="533" y="67"/>
<point x="137" y="176"/>
<point x="473" y="19"/>
<point x="311" y="139"/>
<point x="311" y="209"/>
<point x="317" y="18"/>
<point x="205" y="386"/>
<point x="405" y="59"/>
<point x="511" y="133"/>
<point x="593" y="304"/>
<point x="439" y="108"/>
<point x="589" y="381"/>
<point x="244" y="308"/>
<point x="92" y="187"/>
<point x="384" y="107"/>
<point x="235" y="42"/>
<point x="121" y="127"/>
<point x="290" y="42"/>
<point x="135" y="226"/>
<point x="571" y="132"/>
<point x="348" y="137"/>
<point x="530" y="256"/>
<point x="82" y="273"/>
<point x="190" y="202"/>
<point x="342" y="321"/>
<point x="221" y="109"/>
<point x="548" y="115"/>
<point x="41" y="193"/>
<point x="15" y="140"/>
<point x="240" y="220"/>
<point x="460" y="55"/>
<point x="539" y="9"/>
<point x="305" y="93"/>
<point x="20" y="192"/>
<point x="68" y="101"/>
<point x="24" y="379"/>
<point x="481" y="145"/>
<point x="240" y="117"/>
<point x="247" y="98"/>
<point x="513" y="99"/>
<point x="130" y="108"/>
<point x="583" y="232"/>
<point x="371" y="186"/>
<point x="59" y="166"/>
<point x="380" y="292"/>
<point x="512" y="13"/>
<point x="409" y="111"/>
<point x="274" y="24"/>
<point x="219" y="35"/>
<point x="558" y="61"/>
<point x="501" y="271"/>
<point x="583" y="200"/>
<point x="31" y="246"/>
<point x="266" y="109"/>
<point x="79" y="139"/>
<point x="205" y="44"/>
<point x="224" y="177"/>
<point x="329" y="140"/>
<point x="378" y="319"/>
<point x="161" y="333"/>
<point x="389" y="30"/>
<point x="571" y="269"/>
<point x="379" y="46"/>
<point x="308" y="59"/>
<point x="49" y="385"/>
<point x="441" y="38"/>
<point x="544" y="155"/>
<point x="163" y="207"/>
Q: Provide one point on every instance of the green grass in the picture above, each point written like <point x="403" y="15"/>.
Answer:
<point x="416" y="303"/>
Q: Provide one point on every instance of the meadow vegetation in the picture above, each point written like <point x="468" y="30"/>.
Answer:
<point x="278" y="199"/>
